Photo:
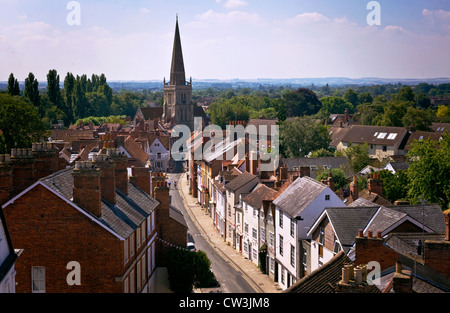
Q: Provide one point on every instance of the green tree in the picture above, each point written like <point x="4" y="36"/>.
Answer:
<point x="300" y="102"/>
<point x="31" y="91"/>
<point x="395" y="186"/>
<point x="301" y="135"/>
<point x="79" y="101"/>
<point x="13" y="86"/>
<point x="53" y="89"/>
<point x="69" y="86"/>
<point x="358" y="156"/>
<point x="352" y="97"/>
<point x="19" y="122"/>
<point x="336" y="105"/>
<point x="418" y="118"/>
<point x="340" y="180"/>
<point x="428" y="172"/>
<point x="443" y="114"/>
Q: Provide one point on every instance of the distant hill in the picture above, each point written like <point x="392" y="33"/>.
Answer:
<point x="255" y="83"/>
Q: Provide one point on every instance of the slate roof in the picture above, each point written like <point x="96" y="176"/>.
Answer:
<point x="258" y="195"/>
<point x="325" y="278"/>
<point x="347" y="221"/>
<point x="240" y="181"/>
<point x="329" y="162"/>
<point x="124" y="217"/>
<point x="291" y="203"/>
<point x="371" y="135"/>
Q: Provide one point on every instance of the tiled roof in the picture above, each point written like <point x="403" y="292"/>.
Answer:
<point x="347" y="221"/>
<point x="380" y="135"/>
<point x="291" y="203"/>
<point x="325" y="278"/>
<point x="329" y="162"/>
<point x="258" y="195"/>
<point x="240" y="181"/>
<point x="123" y="217"/>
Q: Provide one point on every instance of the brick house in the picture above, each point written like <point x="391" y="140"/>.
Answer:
<point x="93" y="224"/>
<point x="8" y="257"/>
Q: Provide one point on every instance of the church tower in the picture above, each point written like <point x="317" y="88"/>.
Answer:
<point x="178" y="106"/>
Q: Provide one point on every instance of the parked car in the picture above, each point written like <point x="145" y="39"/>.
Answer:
<point x="191" y="246"/>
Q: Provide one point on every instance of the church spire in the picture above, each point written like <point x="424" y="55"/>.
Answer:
<point x="177" y="73"/>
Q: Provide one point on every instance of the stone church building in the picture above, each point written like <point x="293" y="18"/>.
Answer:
<point x="178" y="106"/>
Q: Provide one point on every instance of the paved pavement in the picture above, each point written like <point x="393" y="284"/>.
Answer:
<point x="260" y="282"/>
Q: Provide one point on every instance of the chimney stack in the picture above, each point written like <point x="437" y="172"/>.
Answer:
<point x="402" y="280"/>
<point x="330" y="181"/>
<point x="46" y="159"/>
<point x="6" y="178"/>
<point x="254" y="163"/>
<point x="107" y="177"/>
<point x="141" y="178"/>
<point x="447" y="223"/>
<point x="24" y="170"/>
<point x="375" y="184"/>
<point x="121" y="168"/>
<point x="86" y="187"/>
<point x="354" y="190"/>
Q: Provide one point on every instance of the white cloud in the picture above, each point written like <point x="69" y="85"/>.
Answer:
<point x="439" y="15"/>
<point x="394" y="28"/>
<point x="308" y="18"/>
<point x="144" y="10"/>
<point x="233" y="4"/>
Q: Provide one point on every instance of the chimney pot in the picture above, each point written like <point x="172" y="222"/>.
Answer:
<point x="369" y="234"/>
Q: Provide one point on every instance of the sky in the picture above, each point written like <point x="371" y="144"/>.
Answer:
<point x="226" y="39"/>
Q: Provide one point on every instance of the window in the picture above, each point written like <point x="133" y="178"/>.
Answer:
<point x="138" y="278"/>
<point x="125" y="286"/>
<point x="281" y="245"/>
<point x="271" y="239"/>
<point x="255" y="254"/>
<point x="327" y="197"/>
<point x="321" y="235"/>
<point x="262" y="230"/>
<point x="337" y="247"/>
<point x="132" y="281"/>
<point x="305" y="262"/>
<point x="381" y="135"/>
<point x="38" y="279"/>
<point x="125" y="250"/>
<point x="292" y="255"/>
<point x="280" y="220"/>
<point x="272" y="265"/>
<point x="292" y="227"/>
<point x="246" y="228"/>
<point x="254" y="212"/>
<point x="254" y="233"/>
<point x="158" y="155"/>
<point x="384" y="148"/>
<point x="392" y="136"/>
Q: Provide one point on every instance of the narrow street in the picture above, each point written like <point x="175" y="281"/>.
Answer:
<point x="229" y="276"/>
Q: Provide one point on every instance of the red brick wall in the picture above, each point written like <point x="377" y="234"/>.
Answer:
<point x="52" y="234"/>
<point x="437" y="256"/>
<point x="372" y="249"/>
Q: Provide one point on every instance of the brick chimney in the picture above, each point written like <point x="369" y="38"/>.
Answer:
<point x="254" y="163"/>
<point x="23" y="169"/>
<point x="107" y="177"/>
<point x="86" y="187"/>
<point x="375" y="184"/>
<point x="121" y="168"/>
<point x="161" y="193"/>
<point x="330" y="181"/>
<point x="354" y="190"/>
<point x="141" y="178"/>
<point x="402" y="280"/>
<point x="6" y="178"/>
<point x="305" y="171"/>
<point x="46" y="159"/>
<point x="447" y="223"/>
